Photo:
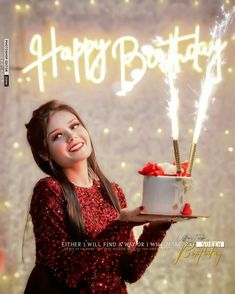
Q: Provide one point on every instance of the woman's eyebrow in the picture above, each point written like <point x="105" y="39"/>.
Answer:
<point x="58" y="129"/>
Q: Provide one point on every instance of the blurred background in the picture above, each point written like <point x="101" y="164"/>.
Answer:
<point x="127" y="120"/>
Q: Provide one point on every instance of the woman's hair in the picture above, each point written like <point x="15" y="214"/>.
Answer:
<point x="37" y="138"/>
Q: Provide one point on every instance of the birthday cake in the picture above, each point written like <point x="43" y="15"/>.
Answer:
<point x="164" y="192"/>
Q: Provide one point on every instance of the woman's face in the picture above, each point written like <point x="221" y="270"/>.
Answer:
<point x="68" y="141"/>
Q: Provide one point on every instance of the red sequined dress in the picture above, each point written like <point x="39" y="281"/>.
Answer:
<point x="99" y="267"/>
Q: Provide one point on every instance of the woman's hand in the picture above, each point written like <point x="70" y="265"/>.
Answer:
<point x="134" y="215"/>
<point x="161" y="225"/>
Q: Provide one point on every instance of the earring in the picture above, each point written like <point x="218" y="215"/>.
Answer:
<point x="44" y="157"/>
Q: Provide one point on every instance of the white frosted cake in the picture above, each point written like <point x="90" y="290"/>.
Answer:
<point x="165" y="194"/>
<point x="164" y="191"/>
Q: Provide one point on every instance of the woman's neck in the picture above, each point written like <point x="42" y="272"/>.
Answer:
<point x="78" y="174"/>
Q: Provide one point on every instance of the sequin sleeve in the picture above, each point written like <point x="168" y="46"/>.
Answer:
<point x="139" y="255"/>
<point x="51" y="235"/>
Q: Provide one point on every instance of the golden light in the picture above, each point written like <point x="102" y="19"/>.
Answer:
<point x="106" y="130"/>
<point x="92" y="2"/>
<point x="127" y="1"/>
<point x="221" y="194"/>
<point x="16" y="145"/>
<point x="4" y="277"/>
<point x="123" y="164"/>
<point x="16" y="275"/>
<point x="159" y="131"/>
<point x="57" y="3"/>
<point x="203" y="219"/>
<point x="7" y="204"/>
<point x="19" y="80"/>
<point x="209" y="275"/>
<point x="190" y="131"/>
<point x="226" y="132"/>
<point x="161" y="1"/>
<point x="28" y="79"/>
<point x="230" y="149"/>
<point x="68" y="68"/>
<point x="164" y="281"/>
<point x="27" y="6"/>
<point x="227" y="1"/>
<point x="196" y="3"/>
<point x="230" y="70"/>
<point x="130" y="129"/>
<point x="17" y="7"/>
<point x="197" y="160"/>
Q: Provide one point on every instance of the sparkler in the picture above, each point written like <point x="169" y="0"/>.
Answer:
<point x="173" y="104"/>
<point x="212" y="77"/>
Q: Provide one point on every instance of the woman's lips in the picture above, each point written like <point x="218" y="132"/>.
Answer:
<point x="77" y="147"/>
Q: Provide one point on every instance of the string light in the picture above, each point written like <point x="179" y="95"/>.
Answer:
<point x="203" y="219"/>
<point x="16" y="145"/>
<point x="28" y="79"/>
<point x="17" y="7"/>
<point x="161" y="1"/>
<point x="190" y="131"/>
<point x="7" y="204"/>
<point x="230" y="149"/>
<point x="164" y="281"/>
<point x="27" y="7"/>
<point x="197" y="160"/>
<point x="57" y="3"/>
<point x="123" y="164"/>
<point x="19" y="80"/>
<point x="92" y="2"/>
<point x="227" y="1"/>
<point x="106" y="130"/>
<point x="127" y="1"/>
<point x="221" y="194"/>
<point x="68" y="68"/>
<point x="226" y="132"/>
<point x="130" y="129"/>
<point x="4" y="277"/>
<point x="196" y="3"/>
<point x="209" y="275"/>
<point x="230" y="70"/>
<point x="159" y="131"/>
<point x="16" y="275"/>
<point x="21" y="8"/>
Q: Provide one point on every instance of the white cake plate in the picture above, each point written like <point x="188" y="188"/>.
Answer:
<point x="171" y="217"/>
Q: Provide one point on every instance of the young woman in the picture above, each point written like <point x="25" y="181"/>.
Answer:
<point x="81" y="223"/>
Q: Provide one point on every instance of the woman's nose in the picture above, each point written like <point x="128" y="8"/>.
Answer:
<point x="71" y="137"/>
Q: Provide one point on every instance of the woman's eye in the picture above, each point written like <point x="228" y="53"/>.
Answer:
<point x="74" y="126"/>
<point x="57" y="136"/>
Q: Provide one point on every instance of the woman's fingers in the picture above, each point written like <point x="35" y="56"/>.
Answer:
<point x="135" y="215"/>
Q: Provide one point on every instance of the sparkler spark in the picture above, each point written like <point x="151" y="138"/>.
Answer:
<point x="212" y="76"/>
<point x="171" y="75"/>
<point x="173" y="104"/>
